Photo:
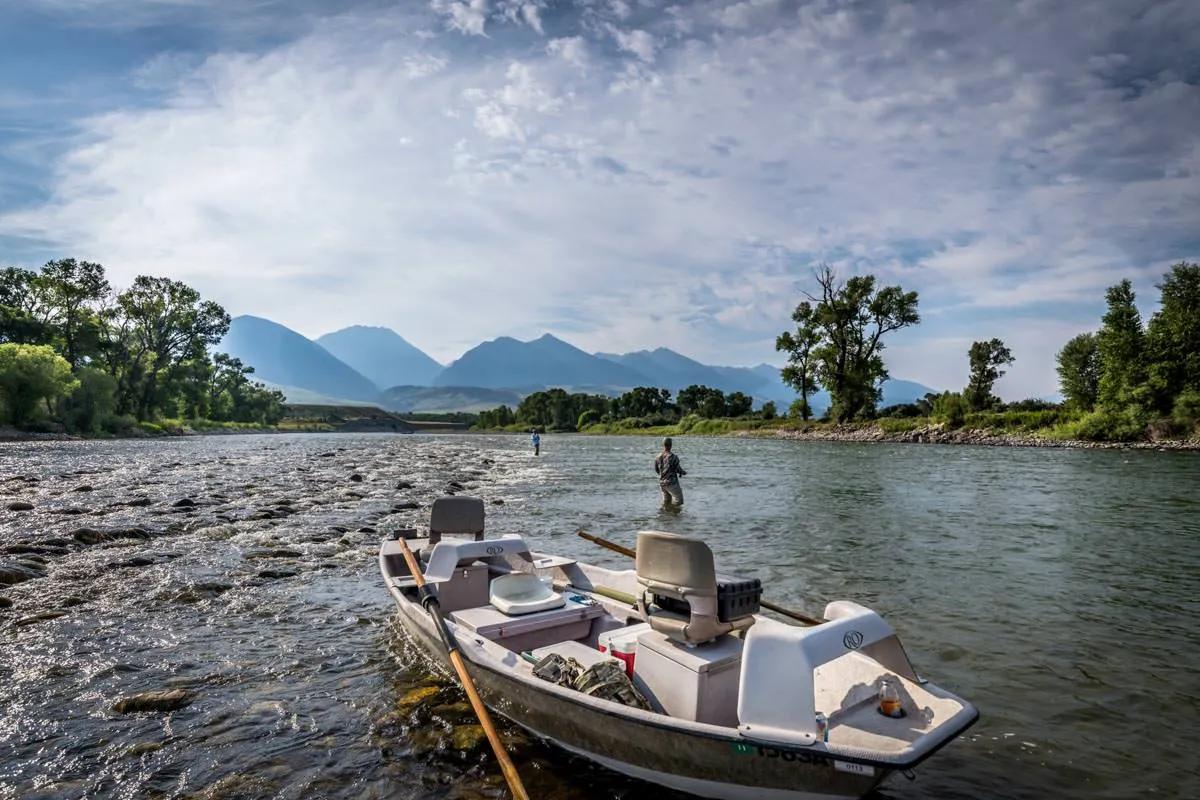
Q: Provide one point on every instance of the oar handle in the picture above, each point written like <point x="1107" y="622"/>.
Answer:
<point x="625" y="551"/>
<point x="430" y="602"/>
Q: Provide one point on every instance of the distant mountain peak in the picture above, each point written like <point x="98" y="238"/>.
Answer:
<point x="383" y="355"/>
<point x="283" y="357"/>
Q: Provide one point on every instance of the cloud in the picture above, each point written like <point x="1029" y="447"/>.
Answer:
<point x="572" y="49"/>
<point x="672" y="177"/>
<point x="464" y="16"/>
<point x="637" y="42"/>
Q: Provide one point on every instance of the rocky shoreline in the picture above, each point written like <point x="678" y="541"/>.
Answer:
<point x="940" y="434"/>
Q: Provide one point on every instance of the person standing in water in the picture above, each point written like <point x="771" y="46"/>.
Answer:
<point x="669" y="472"/>
<point x="536" y="441"/>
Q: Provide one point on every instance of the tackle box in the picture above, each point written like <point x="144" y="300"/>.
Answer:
<point x="736" y="597"/>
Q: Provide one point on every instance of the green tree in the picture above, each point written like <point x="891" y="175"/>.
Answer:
<point x="92" y="402"/>
<point x="738" y="404"/>
<point x="642" y="401"/>
<point x="24" y="312"/>
<point x="1079" y="371"/>
<point x="588" y="417"/>
<point x="849" y="321"/>
<point x="1122" y="347"/>
<point x="1173" y="336"/>
<point x="29" y="373"/>
<point x="951" y="408"/>
<point x="702" y="400"/>
<point x="768" y="410"/>
<point x="164" y="323"/>
<point x="986" y="359"/>
<point x="73" y="290"/>
<point x="801" y="370"/>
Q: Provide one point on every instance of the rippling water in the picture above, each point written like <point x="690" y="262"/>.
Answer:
<point x="1058" y="590"/>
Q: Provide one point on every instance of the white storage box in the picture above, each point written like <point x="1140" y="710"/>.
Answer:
<point x="530" y="631"/>
<point x="697" y="683"/>
<point x="621" y="644"/>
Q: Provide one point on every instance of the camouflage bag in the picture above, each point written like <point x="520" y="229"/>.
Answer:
<point x="606" y="680"/>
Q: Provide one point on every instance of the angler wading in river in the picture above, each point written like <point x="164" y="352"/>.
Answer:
<point x="669" y="472"/>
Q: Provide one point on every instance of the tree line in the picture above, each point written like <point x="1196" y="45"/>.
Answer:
<point x="1127" y="379"/>
<point x="76" y="352"/>
<point x="1131" y="375"/>
<point x="641" y="407"/>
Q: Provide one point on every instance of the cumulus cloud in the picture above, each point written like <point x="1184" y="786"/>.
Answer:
<point x="639" y="178"/>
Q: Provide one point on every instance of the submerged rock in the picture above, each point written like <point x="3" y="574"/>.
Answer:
<point x="5" y="602"/>
<point x="466" y="738"/>
<point x="20" y="505"/>
<point x="273" y="574"/>
<point x="184" y="502"/>
<point x="11" y="572"/>
<point x="414" y="697"/>
<point x="141" y="748"/>
<point x="41" y="616"/>
<point x="356" y="478"/>
<point x="404" y="485"/>
<point x="165" y="700"/>
<point x="139" y="502"/>
<point x="82" y="488"/>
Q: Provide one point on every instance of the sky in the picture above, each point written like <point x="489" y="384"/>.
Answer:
<point x="624" y="174"/>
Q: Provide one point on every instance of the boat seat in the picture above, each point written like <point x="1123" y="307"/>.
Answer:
<point x="456" y="515"/>
<point x="521" y="593"/>
<point x="681" y="568"/>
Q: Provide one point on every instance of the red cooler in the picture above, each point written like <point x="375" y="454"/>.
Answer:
<point x="622" y="644"/>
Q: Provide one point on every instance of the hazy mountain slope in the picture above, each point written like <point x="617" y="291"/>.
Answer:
<point x="544" y="362"/>
<point x="446" y="398"/>
<point x="382" y="355"/>
<point x="281" y="356"/>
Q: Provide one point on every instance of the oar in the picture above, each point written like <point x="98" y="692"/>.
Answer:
<point x="625" y="551"/>
<point x="430" y="602"/>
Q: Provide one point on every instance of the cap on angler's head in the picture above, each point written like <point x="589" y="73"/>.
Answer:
<point x="667" y="443"/>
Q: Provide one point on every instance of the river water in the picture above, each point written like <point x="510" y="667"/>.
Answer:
<point x="1059" y="590"/>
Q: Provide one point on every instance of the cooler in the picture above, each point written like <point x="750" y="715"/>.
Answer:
<point x="622" y="644"/>
<point x="698" y="683"/>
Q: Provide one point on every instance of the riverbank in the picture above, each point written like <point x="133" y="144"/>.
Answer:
<point x="940" y="434"/>
<point x="898" y="430"/>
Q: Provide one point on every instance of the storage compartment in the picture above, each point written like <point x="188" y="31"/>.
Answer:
<point x="621" y="644"/>
<point x="467" y="589"/>
<point x="529" y="631"/>
<point x="697" y="683"/>
<point x="736" y="597"/>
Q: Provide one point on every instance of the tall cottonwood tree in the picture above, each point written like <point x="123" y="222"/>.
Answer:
<point x="848" y="321"/>
<point x="74" y="290"/>
<point x="801" y="370"/>
<point x="166" y="324"/>
<point x="987" y="359"/>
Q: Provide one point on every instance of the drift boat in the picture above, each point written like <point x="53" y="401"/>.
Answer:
<point x="743" y="706"/>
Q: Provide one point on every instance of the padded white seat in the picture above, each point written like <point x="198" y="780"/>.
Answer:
<point x="520" y="593"/>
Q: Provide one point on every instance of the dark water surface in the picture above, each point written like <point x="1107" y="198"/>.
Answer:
<point x="1059" y="590"/>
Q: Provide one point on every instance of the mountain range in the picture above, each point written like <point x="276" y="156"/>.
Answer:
<point x="372" y="365"/>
